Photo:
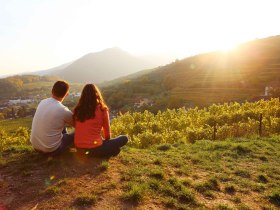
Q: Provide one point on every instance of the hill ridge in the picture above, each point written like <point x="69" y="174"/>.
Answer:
<point x="240" y="74"/>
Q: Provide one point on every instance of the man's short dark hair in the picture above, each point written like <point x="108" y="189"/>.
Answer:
<point x="60" y="88"/>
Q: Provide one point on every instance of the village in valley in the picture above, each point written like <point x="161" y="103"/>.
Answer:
<point x="14" y="107"/>
<point x="26" y="106"/>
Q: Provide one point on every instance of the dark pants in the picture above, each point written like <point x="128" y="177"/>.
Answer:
<point x="108" y="148"/>
<point x="67" y="141"/>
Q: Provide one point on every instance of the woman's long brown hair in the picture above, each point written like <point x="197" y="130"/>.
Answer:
<point x="91" y="97"/>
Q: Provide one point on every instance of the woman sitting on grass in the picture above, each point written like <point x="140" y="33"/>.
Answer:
<point x="91" y="115"/>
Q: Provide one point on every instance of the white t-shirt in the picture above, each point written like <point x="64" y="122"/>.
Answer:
<point x="48" y="123"/>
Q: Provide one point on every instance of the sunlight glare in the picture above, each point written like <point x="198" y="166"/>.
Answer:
<point x="226" y="47"/>
<point x="178" y="28"/>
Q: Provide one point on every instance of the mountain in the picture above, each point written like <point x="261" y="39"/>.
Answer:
<point x="48" y="72"/>
<point x="215" y="77"/>
<point x="102" y="66"/>
<point x="52" y="71"/>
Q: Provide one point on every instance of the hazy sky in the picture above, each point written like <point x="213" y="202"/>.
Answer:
<point x="40" y="34"/>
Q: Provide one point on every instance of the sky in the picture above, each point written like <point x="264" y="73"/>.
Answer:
<point x="41" y="34"/>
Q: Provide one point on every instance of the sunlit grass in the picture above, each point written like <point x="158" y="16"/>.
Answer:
<point x="11" y="125"/>
<point x="178" y="176"/>
<point x="85" y="199"/>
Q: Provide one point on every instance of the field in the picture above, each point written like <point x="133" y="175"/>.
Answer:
<point x="232" y="174"/>
<point x="206" y="96"/>
<point x="11" y="125"/>
<point x="220" y="157"/>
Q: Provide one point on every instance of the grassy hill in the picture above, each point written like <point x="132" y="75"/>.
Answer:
<point x="11" y="125"/>
<point x="172" y="161"/>
<point x="201" y="80"/>
<point x="233" y="174"/>
<point x="168" y="172"/>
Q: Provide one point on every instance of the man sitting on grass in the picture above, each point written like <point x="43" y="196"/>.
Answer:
<point x="48" y="126"/>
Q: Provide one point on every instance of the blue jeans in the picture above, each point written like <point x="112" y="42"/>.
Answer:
<point x="108" y="148"/>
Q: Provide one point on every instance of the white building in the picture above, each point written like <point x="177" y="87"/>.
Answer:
<point x="19" y="101"/>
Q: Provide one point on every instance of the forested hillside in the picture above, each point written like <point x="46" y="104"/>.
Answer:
<point x="20" y="95"/>
<point x="248" y="73"/>
<point x="215" y="77"/>
<point x="19" y="86"/>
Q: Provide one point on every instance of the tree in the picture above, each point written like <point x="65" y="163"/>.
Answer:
<point x="275" y="92"/>
<point x="22" y="111"/>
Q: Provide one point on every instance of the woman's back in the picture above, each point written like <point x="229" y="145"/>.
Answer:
<point x="88" y="133"/>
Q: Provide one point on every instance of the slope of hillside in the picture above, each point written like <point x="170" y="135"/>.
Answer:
<point x="215" y="77"/>
<point x="52" y="71"/>
<point x="203" y="175"/>
<point x="170" y="162"/>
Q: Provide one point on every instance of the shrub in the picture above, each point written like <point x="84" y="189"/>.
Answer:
<point x="164" y="147"/>
<point x="186" y="196"/>
<point x="241" y="149"/>
<point x="170" y="202"/>
<point x="157" y="173"/>
<point x="242" y="173"/>
<point x="135" y="193"/>
<point x="223" y="207"/>
<point x="262" y="178"/>
<point x="274" y="197"/>
<point x="157" y="162"/>
<point x="154" y="184"/>
<point x="52" y="190"/>
<point x="86" y="200"/>
<point x="211" y="184"/>
<point x="230" y="189"/>
<point x="19" y="138"/>
<point x="103" y="166"/>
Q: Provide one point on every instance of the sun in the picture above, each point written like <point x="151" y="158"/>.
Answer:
<point x="227" y="44"/>
<point x="229" y="47"/>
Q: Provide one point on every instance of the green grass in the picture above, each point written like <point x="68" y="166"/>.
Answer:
<point x="274" y="197"/>
<point x="207" y="186"/>
<point x="34" y="85"/>
<point x="134" y="192"/>
<point x="170" y="202"/>
<point x="164" y="147"/>
<point x="52" y="190"/>
<point x="103" y="166"/>
<point x="157" y="174"/>
<point x="230" y="189"/>
<point x="86" y="200"/>
<point x="185" y="176"/>
<point x="13" y="124"/>
<point x="223" y="207"/>
<point x="242" y="173"/>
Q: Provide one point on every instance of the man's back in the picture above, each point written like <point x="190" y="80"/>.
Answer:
<point x="48" y="123"/>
